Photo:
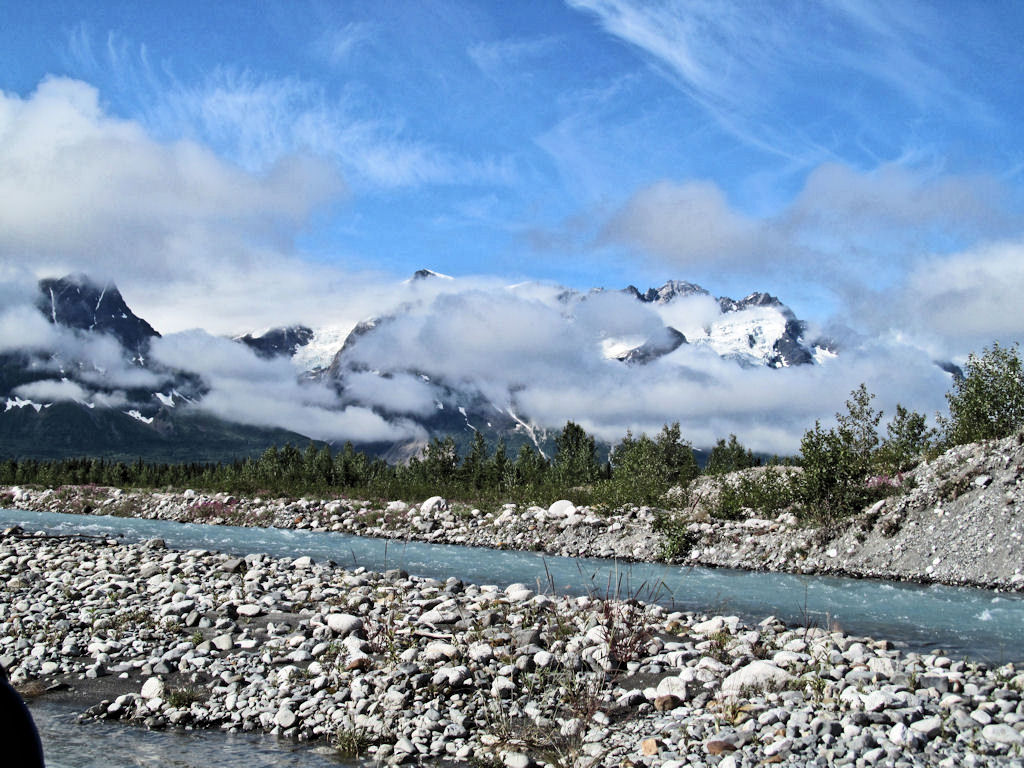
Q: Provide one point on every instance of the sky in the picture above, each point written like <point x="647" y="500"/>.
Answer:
<point x="237" y="165"/>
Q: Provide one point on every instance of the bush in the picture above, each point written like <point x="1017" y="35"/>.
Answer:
<point x="908" y="438"/>
<point x="988" y="402"/>
<point x="769" y="492"/>
<point x="643" y="469"/>
<point x="729" y="457"/>
<point x="837" y="462"/>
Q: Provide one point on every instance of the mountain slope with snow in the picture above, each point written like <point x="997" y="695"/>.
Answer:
<point x="443" y="357"/>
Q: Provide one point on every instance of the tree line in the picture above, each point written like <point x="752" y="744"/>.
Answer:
<point x="844" y="467"/>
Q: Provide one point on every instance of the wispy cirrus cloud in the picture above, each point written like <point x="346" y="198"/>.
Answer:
<point x="254" y="119"/>
<point x="785" y="79"/>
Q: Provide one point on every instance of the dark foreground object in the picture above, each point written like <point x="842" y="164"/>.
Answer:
<point x="19" y="739"/>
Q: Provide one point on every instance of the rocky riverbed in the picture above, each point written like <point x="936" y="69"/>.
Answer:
<point x="404" y="670"/>
<point x="957" y="520"/>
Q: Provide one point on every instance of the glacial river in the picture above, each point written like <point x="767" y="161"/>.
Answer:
<point x="980" y="624"/>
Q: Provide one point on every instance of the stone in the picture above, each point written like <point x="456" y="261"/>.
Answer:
<point x="224" y="642"/>
<point x="517" y="760"/>
<point x="719" y="747"/>
<point x="876" y="701"/>
<point x="650" y="747"/>
<point x="433" y="504"/>
<point x="881" y="666"/>
<point x="1002" y="734"/>
<point x="153" y="688"/>
<point x="404" y="747"/>
<point x="562" y="508"/>
<point x="344" y="624"/>
<point x="756" y="676"/>
<point x="709" y="627"/>
<point x="667" y="703"/>
<point x="780" y="747"/>
<point x="249" y="610"/>
<point x="929" y="727"/>
<point x="285" y="717"/>
<point x="673" y="686"/>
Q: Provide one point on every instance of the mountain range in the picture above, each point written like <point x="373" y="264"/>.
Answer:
<point x="104" y="384"/>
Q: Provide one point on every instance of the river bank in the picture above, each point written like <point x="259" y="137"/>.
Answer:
<point x="959" y="520"/>
<point x="406" y="669"/>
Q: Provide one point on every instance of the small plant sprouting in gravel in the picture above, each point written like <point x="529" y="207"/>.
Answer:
<point x="181" y="698"/>
<point x="351" y="742"/>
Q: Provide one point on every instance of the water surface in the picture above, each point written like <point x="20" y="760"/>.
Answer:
<point x="981" y="624"/>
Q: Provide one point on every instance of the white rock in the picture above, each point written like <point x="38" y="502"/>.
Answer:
<point x="928" y="727"/>
<point x="1002" y="734"/>
<point x="481" y="652"/>
<point x="153" y="688"/>
<point x="757" y="675"/>
<point x="519" y="595"/>
<point x="396" y="506"/>
<point x="438" y="649"/>
<point x="433" y="504"/>
<point x="343" y="624"/>
<point x="876" y="701"/>
<point x="882" y="666"/>
<point x="285" y="717"/>
<point x="710" y="626"/>
<point x="562" y="508"/>
<point x="672" y="686"/>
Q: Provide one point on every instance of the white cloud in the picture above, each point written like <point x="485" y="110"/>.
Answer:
<point x="401" y="393"/>
<point x="763" y="72"/>
<point x="964" y="301"/>
<point x="845" y="227"/>
<point x="24" y="327"/>
<point x="250" y="390"/>
<point x="688" y="222"/>
<point x="544" y="355"/>
<point x="80" y="189"/>
<point x="52" y="390"/>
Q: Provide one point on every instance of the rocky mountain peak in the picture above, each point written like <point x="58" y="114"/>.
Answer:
<point x="75" y="301"/>
<point x="278" y="342"/>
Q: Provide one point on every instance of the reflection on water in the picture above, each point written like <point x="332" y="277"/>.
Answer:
<point x="69" y="744"/>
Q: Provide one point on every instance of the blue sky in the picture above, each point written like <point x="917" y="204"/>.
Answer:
<point x="843" y="155"/>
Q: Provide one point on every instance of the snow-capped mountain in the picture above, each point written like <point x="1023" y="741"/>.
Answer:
<point x="445" y="360"/>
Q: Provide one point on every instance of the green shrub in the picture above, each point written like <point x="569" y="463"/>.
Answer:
<point x="679" y="539"/>
<point x="768" y="493"/>
<point x="837" y="462"/>
<point x="729" y="457"/>
<point x="988" y="402"/>
<point x="908" y="438"/>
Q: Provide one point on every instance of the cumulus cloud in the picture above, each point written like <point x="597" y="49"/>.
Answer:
<point x="81" y="190"/>
<point x="22" y="327"/>
<point x="964" y="301"/>
<point x="250" y="390"/>
<point x="691" y="221"/>
<point x="846" y="228"/>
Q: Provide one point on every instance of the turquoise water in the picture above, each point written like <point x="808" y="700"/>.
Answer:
<point x="69" y="744"/>
<point x="981" y="624"/>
